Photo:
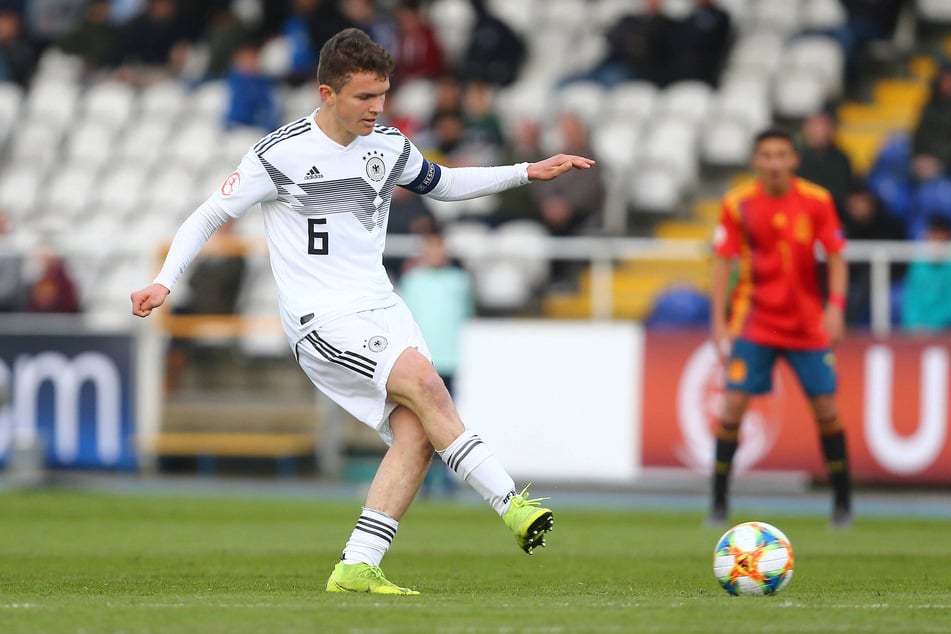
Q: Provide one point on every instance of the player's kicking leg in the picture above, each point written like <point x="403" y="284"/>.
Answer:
<point x="414" y="383"/>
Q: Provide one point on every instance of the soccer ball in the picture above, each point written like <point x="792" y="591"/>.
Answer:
<point x="753" y="558"/>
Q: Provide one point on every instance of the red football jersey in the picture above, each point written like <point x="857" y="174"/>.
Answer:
<point x="777" y="299"/>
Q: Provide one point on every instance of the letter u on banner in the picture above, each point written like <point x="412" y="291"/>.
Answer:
<point x="906" y="455"/>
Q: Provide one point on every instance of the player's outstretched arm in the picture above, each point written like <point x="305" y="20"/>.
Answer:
<point x="152" y="296"/>
<point x="557" y="165"/>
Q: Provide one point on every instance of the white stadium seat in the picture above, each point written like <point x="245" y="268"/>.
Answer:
<point x="452" y="21"/>
<point x="798" y="94"/>
<point x="502" y="285"/>
<point x="655" y="190"/>
<point x="109" y="103"/>
<point x="757" y="53"/>
<point x="822" y="14"/>
<point x="727" y="141"/>
<point x="193" y="145"/>
<point x="747" y="99"/>
<point x="781" y="16"/>
<point x="583" y="98"/>
<point x="632" y="100"/>
<point x="208" y="101"/>
<point x="120" y="189"/>
<point x="524" y="242"/>
<point x="19" y="191"/>
<point x="672" y="142"/>
<point x="415" y="100"/>
<point x="90" y="145"/>
<point x="689" y="99"/>
<point x="143" y="142"/>
<point x="524" y="100"/>
<point x="615" y="143"/>
<point x="468" y="241"/>
<point x="822" y="56"/>
<point x="163" y="100"/>
<point x="938" y="11"/>
<point x="518" y="15"/>
<point x="35" y="143"/>
<point x="68" y="191"/>
<point x="54" y="102"/>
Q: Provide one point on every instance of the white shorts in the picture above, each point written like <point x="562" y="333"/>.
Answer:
<point x="349" y="359"/>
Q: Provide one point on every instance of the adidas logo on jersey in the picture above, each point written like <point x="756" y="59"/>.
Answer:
<point x="312" y="174"/>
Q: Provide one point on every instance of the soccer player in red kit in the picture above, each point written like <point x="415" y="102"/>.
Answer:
<point x="770" y="226"/>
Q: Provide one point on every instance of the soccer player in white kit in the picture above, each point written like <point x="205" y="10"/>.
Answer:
<point x="325" y="183"/>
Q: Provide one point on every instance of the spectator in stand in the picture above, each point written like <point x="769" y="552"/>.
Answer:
<point x="418" y="55"/>
<point x="927" y="297"/>
<point x="94" y="38"/>
<point x="225" y="33"/>
<point x="701" y="43"/>
<point x="54" y="290"/>
<point x="155" y="39"/>
<point x="495" y="52"/>
<point x="253" y="95"/>
<point x="821" y="160"/>
<point x="377" y="24"/>
<point x="18" y="53"/>
<point x="296" y="30"/>
<point x="931" y="145"/>
<point x="483" y="128"/>
<point x="637" y="48"/>
<point x="439" y="294"/>
<point x="866" y="21"/>
<point x="574" y="205"/>
<point x="522" y="145"/>
<point x="325" y="21"/>
<point x="864" y="218"/>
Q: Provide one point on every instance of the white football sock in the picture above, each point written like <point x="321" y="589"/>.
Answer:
<point x="471" y="458"/>
<point x="370" y="539"/>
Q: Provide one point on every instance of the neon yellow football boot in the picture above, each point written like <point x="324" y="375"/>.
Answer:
<point x="362" y="578"/>
<point x="529" y="521"/>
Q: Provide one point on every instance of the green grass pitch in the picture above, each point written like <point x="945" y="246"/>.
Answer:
<point x="115" y="562"/>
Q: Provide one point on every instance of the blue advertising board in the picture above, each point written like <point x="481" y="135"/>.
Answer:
<point x="75" y="393"/>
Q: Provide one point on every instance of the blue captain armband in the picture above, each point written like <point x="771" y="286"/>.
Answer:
<point x="428" y="178"/>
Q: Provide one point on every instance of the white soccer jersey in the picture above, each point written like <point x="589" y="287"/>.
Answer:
<point x="325" y="214"/>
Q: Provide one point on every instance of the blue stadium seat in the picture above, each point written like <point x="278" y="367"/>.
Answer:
<point x="680" y="307"/>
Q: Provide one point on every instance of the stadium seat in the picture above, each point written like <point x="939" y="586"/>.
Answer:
<point x="798" y="94"/>
<point x="655" y="189"/>
<point x="822" y="14"/>
<point x="726" y="141"/>
<point x="780" y="16"/>
<point x="163" y="100"/>
<point x="68" y="191"/>
<point x="680" y="308"/>
<point x="171" y="191"/>
<point x="190" y="144"/>
<point x="274" y="59"/>
<point x="35" y="143"/>
<point x="819" y="55"/>
<point x="747" y="99"/>
<point x="55" y="65"/>
<point x="615" y="142"/>
<point x="518" y="15"/>
<point x="673" y="143"/>
<point x="234" y="144"/>
<point x="452" y="21"/>
<point x="90" y="145"/>
<point x="524" y="242"/>
<point x="53" y="102"/>
<point x="19" y="191"/>
<point x="606" y="12"/>
<point x="583" y="98"/>
<point x="468" y="241"/>
<point x="756" y="54"/>
<point x="688" y="99"/>
<point x="208" y="101"/>
<point x="109" y="103"/>
<point x="415" y="100"/>
<point x="502" y="286"/>
<point x="300" y="102"/>
<point x="633" y="101"/>
<point x="937" y="11"/>
<point x="120" y="189"/>
<point x="527" y="99"/>
<point x="143" y="144"/>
